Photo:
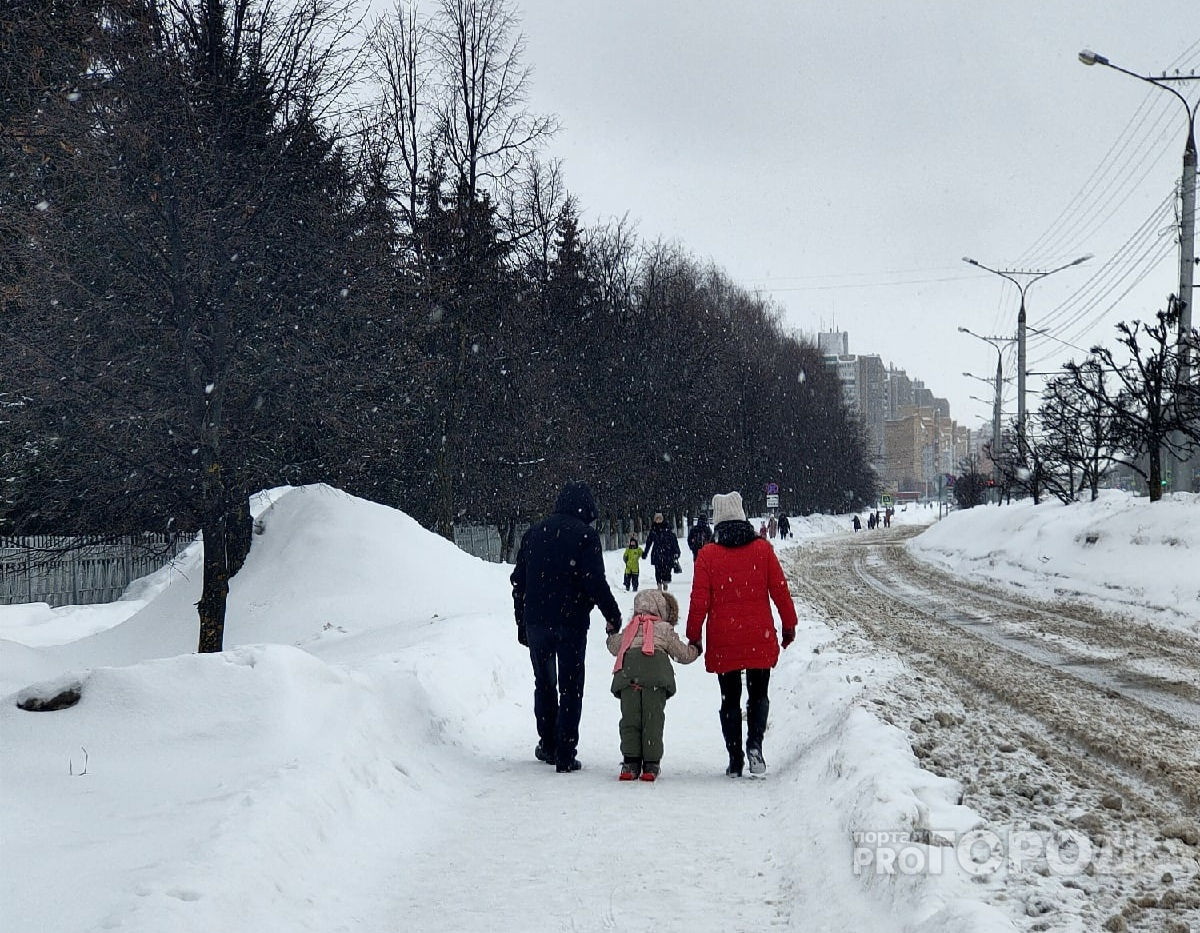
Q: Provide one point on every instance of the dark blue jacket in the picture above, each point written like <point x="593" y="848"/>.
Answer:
<point x="662" y="547"/>
<point x="559" y="575"/>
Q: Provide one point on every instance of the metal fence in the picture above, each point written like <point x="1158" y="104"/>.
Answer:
<point x="480" y="540"/>
<point x="73" y="571"/>
<point x="484" y="540"/>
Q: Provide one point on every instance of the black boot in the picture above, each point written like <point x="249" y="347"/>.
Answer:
<point x="756" y="725"/>
<point x="731" y="728"/>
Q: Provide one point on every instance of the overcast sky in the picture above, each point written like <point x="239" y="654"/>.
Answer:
<point x="842" y="157"/>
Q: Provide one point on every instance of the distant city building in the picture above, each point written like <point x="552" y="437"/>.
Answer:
<point x="836" y="343"/>
<point x="899" y="391"/>
<point x="912" y="440"/>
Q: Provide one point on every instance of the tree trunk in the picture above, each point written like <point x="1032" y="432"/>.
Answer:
<point x="444" y="490"/>
<point x="1156" y="487"/>
<point x="240" y="535"/>
<point x="216" y="588"/>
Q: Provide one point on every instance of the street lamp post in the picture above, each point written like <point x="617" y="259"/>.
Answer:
<point x="1023" y="279"/>
<point x="996" y="436"/>
<point x="1187" y="229"/>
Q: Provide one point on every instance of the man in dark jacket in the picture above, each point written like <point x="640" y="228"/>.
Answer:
<point x="558" y="579"/>
<point x="700" y="535"/>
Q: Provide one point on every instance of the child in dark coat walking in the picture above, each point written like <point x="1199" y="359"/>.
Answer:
<point x="643" y="679"/>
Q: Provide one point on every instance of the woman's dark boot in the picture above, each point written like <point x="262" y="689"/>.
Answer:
<point x="731" y="728"/>
<point x="756" y="725"/>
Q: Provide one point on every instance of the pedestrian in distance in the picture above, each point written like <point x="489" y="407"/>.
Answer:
<point x="857" y="523"/>
<point x="643" y="680"/>
<point x="633" y="561"/>
<point x="772" y="527"/>
<point x="557" y="581"/>
<point x="662" y="547"/>
<point x="762" y="531"/>
<point x="785" y="527"/>
<point x="735" y="582"/>
<point x="700" y="535"/>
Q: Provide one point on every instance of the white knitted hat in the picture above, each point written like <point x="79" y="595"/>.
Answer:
<point x="727" y="507"/>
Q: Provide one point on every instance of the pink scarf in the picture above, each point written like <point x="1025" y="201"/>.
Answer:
<point x="643" y="623"/>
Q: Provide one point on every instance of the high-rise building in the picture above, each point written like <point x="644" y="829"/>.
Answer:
<point x="911" y="437"/>
<point x="834" y="343"/>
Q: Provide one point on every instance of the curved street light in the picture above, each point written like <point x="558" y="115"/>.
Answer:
<point x="1023" y="279"/>
<point x="990" y="382"/>
<point x="1187" y="227"/>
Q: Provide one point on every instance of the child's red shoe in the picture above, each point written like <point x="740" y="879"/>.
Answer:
<point x="630" y="771"/>
<point x="650" y="771"/>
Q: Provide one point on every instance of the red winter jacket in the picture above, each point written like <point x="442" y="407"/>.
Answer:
<point x="733" y="586"/>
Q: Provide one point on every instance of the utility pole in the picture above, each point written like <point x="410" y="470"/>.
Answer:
<point x="997" y="437"/>
<point x="1023" y="279"/>
<point x="1182" y="478"/>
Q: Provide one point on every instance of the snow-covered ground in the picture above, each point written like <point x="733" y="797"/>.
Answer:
<point x="1121" y="553"/>
<point x="360" y="757"/>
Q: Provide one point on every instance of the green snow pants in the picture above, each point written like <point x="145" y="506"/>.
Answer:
<point x="643" y="716"/>
<point x="643" y="686"/>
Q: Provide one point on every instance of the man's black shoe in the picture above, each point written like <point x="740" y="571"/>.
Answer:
<point x="566" y="767"/>
<point x="542" y="753"/>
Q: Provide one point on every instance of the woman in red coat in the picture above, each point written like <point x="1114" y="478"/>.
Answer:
<point x="734" y="582"/>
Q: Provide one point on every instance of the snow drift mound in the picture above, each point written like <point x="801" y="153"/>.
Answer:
<point x="328" y="561"/>
<point x="1121" y="552"/>
<point x="323" y="563"/>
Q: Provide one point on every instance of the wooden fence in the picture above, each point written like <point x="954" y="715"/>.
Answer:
<point x="73" y="571"/>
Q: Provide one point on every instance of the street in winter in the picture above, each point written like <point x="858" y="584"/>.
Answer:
<point x="989" y="723"/>
<point x="607" y="466"/>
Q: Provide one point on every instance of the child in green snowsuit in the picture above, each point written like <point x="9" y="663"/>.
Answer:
<point x="644" y="679"/>
<point x="633" y="560"/>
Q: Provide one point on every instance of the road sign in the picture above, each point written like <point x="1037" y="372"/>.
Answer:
<point x="772" y="489"/>
<point x="772" y="502"/>
<point x="886" y="501"/>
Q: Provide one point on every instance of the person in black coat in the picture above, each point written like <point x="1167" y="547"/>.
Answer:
<point x="557" y="580"/>
<point x="700" y="535"/>
<point x="662" y="547"/>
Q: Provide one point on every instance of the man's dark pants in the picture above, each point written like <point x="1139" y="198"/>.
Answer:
<point x="557" y="659"/>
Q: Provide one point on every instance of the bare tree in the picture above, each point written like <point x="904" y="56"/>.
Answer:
<point x="1143" y="409"/>
<point x="615" y="258"/>
<point x="485" y="125"/>
<point x="535" y="206"/>
<point x="1078" y="430"/>
<point x="400" y="52"/>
